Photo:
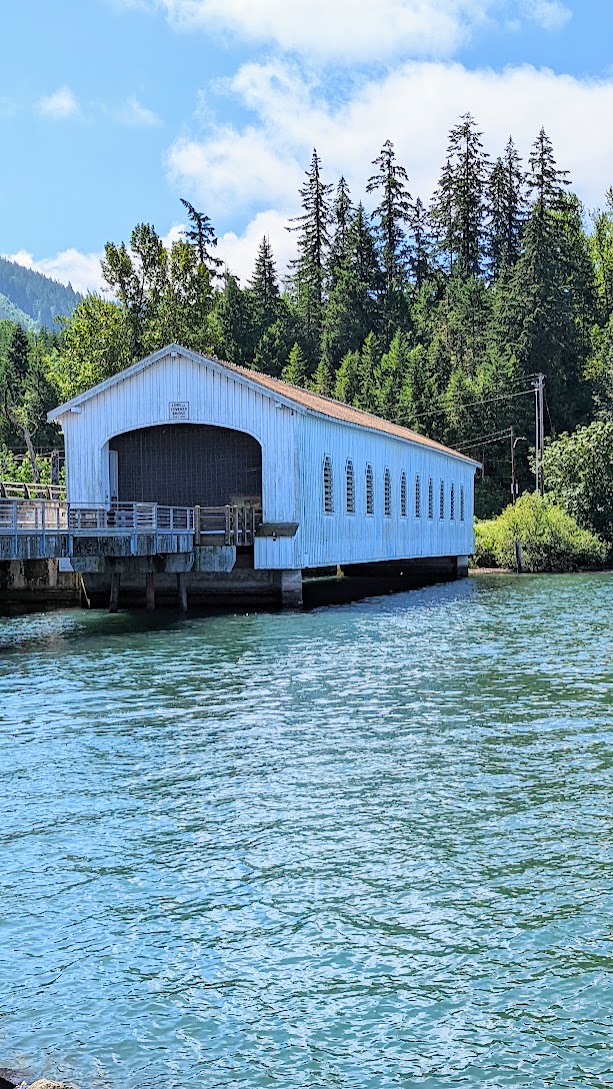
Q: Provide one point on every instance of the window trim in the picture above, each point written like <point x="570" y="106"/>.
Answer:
<point x="328" y="485"/>
<point x="417" y="495"/>
<point x="387" y="493"/>
<point x="349" y="487"/>
<point x="403" y="494"/>
<point x="441" y="502"/>
<point x="370" y="491"/>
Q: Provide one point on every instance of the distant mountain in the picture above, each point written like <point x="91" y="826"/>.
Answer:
<point x="35" y="296"/>
<point x="10" y="312"/>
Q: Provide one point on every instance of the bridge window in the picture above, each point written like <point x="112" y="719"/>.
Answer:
<point x="452" y="502"/>
<point x="430" y="498"/>
<point x="441" y="501"/>
<point x="461" y="502"/>
<point x="328" y="486"/>
<point x="350" y="488"/>
<point x="417" y="496"/>
<point x="403" y="495"/>
<point x="370" y="491"/>
<point x="387" y="493"/>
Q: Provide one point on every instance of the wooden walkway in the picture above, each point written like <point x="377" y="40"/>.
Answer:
<point x="47" y="528"/>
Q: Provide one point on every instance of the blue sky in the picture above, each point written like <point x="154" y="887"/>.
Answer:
<point x="110" y="110"/>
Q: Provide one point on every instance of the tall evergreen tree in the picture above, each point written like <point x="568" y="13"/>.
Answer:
<point x="263" y="287"/>
<point x="458" y="208"/>
<point x="420" y="244"/>
<point x="341" y="218"/>
<point x="201" y="235"/>
<point x="308" y="276"/>
<point x="391" y="214"/>
<point x="507" y="211"/>
<point x="545" y="181"/>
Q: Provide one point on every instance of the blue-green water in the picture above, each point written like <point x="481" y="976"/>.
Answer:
<point x="366" y="846"/>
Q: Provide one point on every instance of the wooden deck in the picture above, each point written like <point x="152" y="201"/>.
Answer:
<point x="47" y="528"/>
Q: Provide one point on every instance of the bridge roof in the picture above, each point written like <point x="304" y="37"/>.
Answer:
<point x="281" y="391"/>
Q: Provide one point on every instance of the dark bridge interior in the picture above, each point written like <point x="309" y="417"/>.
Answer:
<point x="183" y="465"/>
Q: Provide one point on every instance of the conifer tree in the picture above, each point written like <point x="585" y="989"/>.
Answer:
<point x="459" y="204"/>
<point x="263" y="285"/>
<point x="308" y="277"/>
<point x="420" y="244"/>
<point x="201" y="236"/>
<point x="507" y="211"/>
<point x="341" y="218"/>
<point x="391" y="214"/>
<point x="295" y="372"/>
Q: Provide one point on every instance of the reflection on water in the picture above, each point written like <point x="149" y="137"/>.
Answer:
<point x="366" y="846"/>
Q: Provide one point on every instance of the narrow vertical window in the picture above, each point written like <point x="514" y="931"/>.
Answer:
<point x="441" y="501"/>
<point x="461" y="502"/>
<point x="430" y="498"/>
<point x="387" y="493"/>
<point x="370" y="491"/>
<point x="350" y="488"/>
<point x="403" y="495"/>
<point x="417" y="496"/>
<point x="452" y="502"/>
<point x="328" y="486"/>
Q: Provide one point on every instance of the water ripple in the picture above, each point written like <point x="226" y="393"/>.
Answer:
<point x="365" y="846"/>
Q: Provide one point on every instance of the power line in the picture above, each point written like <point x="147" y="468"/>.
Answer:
<point x="474" y="404"/>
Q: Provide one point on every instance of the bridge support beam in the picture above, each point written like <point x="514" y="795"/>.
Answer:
<point x="182" y="591"/>
<point x="291" y="589"/>
<point x="150" y="591"/>
<point x="114" y="592"/>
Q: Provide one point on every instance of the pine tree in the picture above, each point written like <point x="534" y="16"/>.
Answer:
<point x="458" y="208"/>
<point x="341" y="218"/>
<point x="263" y="285"/>
<point x="545" y="181"/>
<point x="392" y="213"/>
<point x="295" y="373"/>
<point x="201" y="236"/>
<point x="420" y="244"/>
<point x="308" y="277"/>
<point x="507" y="211"/>
<point x="351" y="309"/>
<point x="347" y="384"/>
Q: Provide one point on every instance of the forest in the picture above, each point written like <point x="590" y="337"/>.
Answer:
<point x="436" y="314"/>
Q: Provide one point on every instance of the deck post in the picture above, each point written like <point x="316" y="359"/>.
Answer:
<point x="114" y="595"/>
<point x="291" y="589"/>
<point x="150" y="591"/>
<point x="182" y="591"/>
<point x="196" y="526"/>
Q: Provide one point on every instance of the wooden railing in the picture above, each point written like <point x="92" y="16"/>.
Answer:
<point x="229" y="525"/>
<point x="16" y="489"/>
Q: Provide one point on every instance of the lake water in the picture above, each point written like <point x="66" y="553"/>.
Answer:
<point x="367" y="846"/>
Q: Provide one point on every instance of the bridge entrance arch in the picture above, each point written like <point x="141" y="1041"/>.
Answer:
<point x="186" y="465"/>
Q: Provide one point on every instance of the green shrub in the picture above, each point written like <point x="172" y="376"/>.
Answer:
<point x="551" y="540"/>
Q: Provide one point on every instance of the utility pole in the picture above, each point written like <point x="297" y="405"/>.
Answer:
<point x="514" y="441"/>
<point x="540" y="432"/>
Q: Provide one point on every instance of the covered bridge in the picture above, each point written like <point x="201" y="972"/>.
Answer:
<point x="283" y="481"/>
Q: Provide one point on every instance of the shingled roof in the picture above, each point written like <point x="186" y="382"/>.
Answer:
<point x="337" y="410"/>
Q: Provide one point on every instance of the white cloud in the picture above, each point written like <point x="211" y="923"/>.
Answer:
<point x="350" y="31"/>
<point x="240" y="170"/>
<point x="239" y="251"/>
<point x="82" y="270"/>
<point x="59" y="105"/>
<point x="549" y="14"/>
<point x="134" y="113"/>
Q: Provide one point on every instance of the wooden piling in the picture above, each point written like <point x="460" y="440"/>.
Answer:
<point x="114" y="595"/>
<point x="150" y="591"/>
<point x="182" y="591"/>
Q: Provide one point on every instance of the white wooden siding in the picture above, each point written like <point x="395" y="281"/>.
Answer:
<point x="294" y="444"/>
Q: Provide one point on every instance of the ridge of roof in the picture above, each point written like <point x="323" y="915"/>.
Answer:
<point x="306" y="399"/>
